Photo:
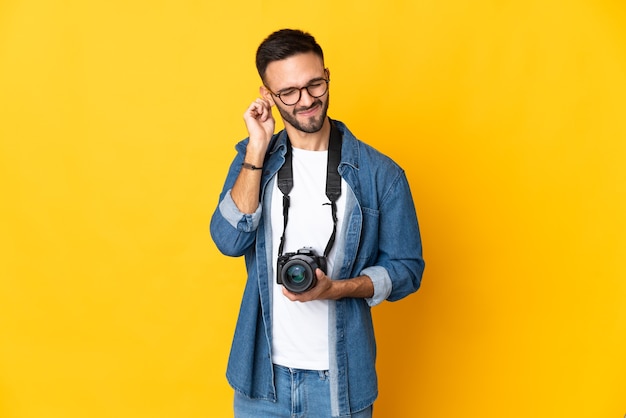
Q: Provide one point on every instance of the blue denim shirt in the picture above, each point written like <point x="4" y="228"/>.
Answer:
<point x="380" y="238"/>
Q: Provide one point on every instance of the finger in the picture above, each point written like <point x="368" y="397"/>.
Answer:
<point x="252" y="111"/>
<point x="259" y="109"/>
<point x="264" y="115"/>
<point x="291" y="296"/>
<point x="253" y="114"/>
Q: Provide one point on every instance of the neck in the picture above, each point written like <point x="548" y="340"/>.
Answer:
<point x="316" y="141"/>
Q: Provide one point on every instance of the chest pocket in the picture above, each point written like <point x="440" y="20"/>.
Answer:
<point x="368" y="245"/>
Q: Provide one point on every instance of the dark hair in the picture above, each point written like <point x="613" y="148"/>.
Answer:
<point x="284" y="44"/>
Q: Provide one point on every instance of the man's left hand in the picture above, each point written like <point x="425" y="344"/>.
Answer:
<point x="321" y="290"/>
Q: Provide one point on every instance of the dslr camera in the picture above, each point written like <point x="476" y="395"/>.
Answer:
<point x="296" y="271"/>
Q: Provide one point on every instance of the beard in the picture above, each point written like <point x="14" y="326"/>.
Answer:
<point x="310" y="125"/>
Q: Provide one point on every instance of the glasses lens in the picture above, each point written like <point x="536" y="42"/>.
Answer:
<point x="290" y="97"/>
<point x="317" y="89"/>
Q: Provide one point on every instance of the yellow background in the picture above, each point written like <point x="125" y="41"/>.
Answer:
<point x="117" y="125"/>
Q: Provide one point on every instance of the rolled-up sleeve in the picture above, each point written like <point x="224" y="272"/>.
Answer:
<point x="241" y="221"/>
<point x="233" y="232"/>
<point x="382" y="284"/>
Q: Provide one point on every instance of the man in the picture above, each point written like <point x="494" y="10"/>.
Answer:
<point x="310" y="351"/>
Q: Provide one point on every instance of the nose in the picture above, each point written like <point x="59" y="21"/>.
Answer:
<point x="305" y="98"/>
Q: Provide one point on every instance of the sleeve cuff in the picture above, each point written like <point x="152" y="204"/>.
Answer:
<point x="242" y="221"/>
<point x="382" y="284"/>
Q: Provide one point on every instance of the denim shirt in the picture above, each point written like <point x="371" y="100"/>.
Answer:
<point x="380" y="238"/>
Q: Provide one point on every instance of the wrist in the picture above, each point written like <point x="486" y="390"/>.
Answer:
<point x="252" y="167"/>
<point x="255" y="154"/>
<point x="357" y="287"/>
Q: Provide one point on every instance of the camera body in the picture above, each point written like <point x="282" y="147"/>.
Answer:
<point x="296" y="271"/>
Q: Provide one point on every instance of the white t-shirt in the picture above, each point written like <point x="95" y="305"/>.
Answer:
<point x="300" y="330"/>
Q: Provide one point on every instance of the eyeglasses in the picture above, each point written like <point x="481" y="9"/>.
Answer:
<point x="291" y="96"/>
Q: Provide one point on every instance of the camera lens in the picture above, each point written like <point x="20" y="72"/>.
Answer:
<point x="296" y="274"/>
<point x="296" y="271"/>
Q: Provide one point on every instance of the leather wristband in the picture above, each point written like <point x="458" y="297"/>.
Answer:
<point x="251" y="166"/>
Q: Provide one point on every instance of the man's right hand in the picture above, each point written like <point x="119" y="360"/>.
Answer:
<point x="260" y="123"/>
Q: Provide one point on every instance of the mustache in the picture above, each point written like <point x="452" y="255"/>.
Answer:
<point x="304" y="109"/>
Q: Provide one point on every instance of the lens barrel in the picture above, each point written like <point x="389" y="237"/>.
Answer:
<point x="296" y="271"/>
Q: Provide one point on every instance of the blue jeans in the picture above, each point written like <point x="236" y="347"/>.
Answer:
<point x="300" y="394"/>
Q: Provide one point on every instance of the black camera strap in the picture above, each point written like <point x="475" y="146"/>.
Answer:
<point x="333" y="184"/>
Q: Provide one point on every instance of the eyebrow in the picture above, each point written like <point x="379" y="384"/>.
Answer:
<point x="297" y="88"/>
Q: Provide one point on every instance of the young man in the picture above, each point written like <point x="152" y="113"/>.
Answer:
<point x="328" y="229"/>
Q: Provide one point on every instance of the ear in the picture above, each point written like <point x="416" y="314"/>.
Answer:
<point x="327" y="71"/>
<point x="267" y="95"/>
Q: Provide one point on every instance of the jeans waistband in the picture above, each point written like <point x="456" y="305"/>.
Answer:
<point x="294" y="371"/>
